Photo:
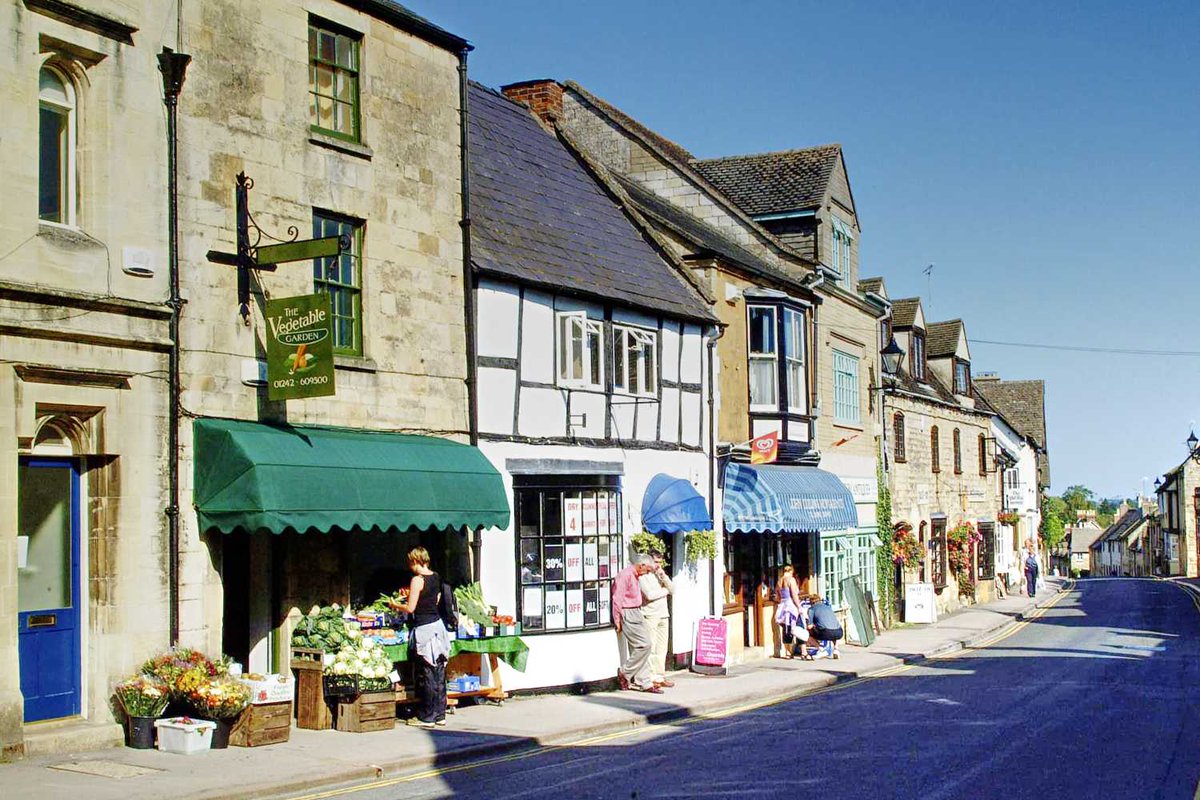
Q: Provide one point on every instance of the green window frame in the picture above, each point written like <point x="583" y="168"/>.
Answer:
<point x="340" y="277"/>
<point x="846" y="398"/>
<point x="334" y="60"/>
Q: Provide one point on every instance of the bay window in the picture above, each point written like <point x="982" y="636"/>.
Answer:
<point x="793" y="359"/>
<point x="764" y="354"/>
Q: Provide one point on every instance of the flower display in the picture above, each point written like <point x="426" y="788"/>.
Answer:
<point x="906" y="549"/>
<point x="221" y="697"/>
<point x="363" y="657"/>
<point x="183" y="669"/>
<point x="143" y="695"/>
<point x="960" y="543"/>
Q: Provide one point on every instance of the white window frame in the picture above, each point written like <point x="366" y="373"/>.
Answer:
<point x="771" y="357"/>
<point x="847" y="394"/>
<point x="843" y="245"/>
<point x="591" y="341"/>
<point x="635" y="352"/>
<point x="70" y="109"/>
<point x="794" y="352"/>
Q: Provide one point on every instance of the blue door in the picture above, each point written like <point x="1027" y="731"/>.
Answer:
<point x="48" y="586"/>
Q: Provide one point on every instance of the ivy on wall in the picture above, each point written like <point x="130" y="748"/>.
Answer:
<point x="885" y="588"/>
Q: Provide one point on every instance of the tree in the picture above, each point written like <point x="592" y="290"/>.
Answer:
<point x="1052" y="529"/>
<point x="1077" y="498"/>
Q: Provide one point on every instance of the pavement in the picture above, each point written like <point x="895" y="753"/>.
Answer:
<point x="314" y="759"/>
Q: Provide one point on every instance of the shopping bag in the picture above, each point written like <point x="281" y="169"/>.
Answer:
<point x="800" y="632"/>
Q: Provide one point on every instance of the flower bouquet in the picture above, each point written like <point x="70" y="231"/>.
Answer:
<point x="183" y="669"/>
<point x="219" y="698"/>
<point x="143" y="696"/>
<point x="360" y="666"/>
<point x="906" y="550"/>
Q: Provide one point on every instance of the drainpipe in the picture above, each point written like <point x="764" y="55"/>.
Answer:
<point x="474" y="535"/>
<point x="173" y="67"/>
<point x="712" y="466"/>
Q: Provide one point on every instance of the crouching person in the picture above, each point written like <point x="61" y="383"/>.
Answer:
<point x="824" y="629"/>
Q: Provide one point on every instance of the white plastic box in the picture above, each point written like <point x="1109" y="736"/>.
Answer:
<point x="184" y="736"/>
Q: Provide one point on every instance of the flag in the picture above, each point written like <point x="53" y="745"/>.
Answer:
<point x="765" y="449"/>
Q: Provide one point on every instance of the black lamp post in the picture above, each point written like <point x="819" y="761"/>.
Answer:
<point x="1192" y="441"/>
<point x="891" y="357"/>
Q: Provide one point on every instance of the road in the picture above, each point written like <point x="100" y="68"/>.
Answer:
<point x="1096" y="698"/>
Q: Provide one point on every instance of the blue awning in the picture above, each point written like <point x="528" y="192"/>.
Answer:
<point x="777" y="499"/>
<point x="672" y="505"/>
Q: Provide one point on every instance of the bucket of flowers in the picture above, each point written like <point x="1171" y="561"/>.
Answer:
<point x="360" y="666"/>
<point x="143" y="698"/>
<point x="183" y="669"/>
<point x="220" y="699"/>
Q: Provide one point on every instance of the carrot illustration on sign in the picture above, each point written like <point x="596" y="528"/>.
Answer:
<point x="301" y="360"/>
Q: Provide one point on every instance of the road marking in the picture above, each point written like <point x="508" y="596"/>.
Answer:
<point x="1194" y="593"/>
<point x="715" y="715"/>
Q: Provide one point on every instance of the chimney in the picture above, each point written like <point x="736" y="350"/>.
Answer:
<point x="986" y="377"/>
<point x="543" y="96"/>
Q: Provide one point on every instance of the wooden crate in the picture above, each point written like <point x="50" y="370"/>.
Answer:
<point x="373" y="711"/>
<point x="312" y="712"/>
<point x="269" y="723"/>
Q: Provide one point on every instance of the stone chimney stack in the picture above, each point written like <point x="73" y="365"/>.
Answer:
<point x="543" y="96"/>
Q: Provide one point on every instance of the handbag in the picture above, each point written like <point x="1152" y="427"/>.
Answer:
<point x="800" y="632"/>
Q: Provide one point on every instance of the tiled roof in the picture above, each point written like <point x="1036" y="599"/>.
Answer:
<point x="396" y="14"/>
<point x="904" y="312"/>
<point x="1023" y="404"/>
<point x="1122" y="527"/>
<point x="670" y="148"/>
<point x="941" y="338"/>
<point x="871" y="285"/>
<point x="1083" y="538"/>
<point x="538" y="216"/>
<point x="773" y="183"/>
<point x="932" y="388"/>
<point x="703" y="236"/>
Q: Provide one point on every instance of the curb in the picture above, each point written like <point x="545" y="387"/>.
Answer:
<point x="353" y="776"/>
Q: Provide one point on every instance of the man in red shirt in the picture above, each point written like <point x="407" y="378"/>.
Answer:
<point x="635" y="672"/>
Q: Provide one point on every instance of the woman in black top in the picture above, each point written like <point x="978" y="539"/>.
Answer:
<point x="430" y="647"/>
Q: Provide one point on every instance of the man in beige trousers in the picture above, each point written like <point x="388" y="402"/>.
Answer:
<point x="656" y="588"/>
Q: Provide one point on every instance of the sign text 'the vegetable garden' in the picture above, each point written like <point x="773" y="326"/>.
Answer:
<point x="299" y="347"/>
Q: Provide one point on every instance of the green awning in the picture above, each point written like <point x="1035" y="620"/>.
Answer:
<point x="254" y="476"/>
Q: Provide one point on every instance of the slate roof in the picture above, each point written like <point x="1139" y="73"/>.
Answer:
<point x="538" y="216"/>
<point x="773" y="183"/>
<point x="1126" y="525"/>
<point x="871" y="285"/>
<point x="703" y="236"/>
<point x="941" y="338"/>
<point x="1023" y="405"/>
<point x="932" y="388"/>
<point x="666" y="145"/>
<point x="904" y="312"/>
<point x="395" y="14"/>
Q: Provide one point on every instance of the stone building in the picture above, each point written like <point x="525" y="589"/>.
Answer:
<point x="799" y="352"/>
<point x="345" y="118"/>
<point x="1179" y="514"/>
<point x="942" y="453"/>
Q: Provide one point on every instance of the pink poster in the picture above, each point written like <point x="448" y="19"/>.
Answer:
<point x="710" y="642"/>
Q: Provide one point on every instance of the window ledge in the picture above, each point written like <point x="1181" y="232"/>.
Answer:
<point x="68" y="236"/>
<point x="850" y="426"/>
<point x="341" y="145"/>
<point x="355" y="363"/>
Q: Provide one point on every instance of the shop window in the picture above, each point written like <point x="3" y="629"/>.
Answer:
<point x="935" y="451"/>
<point x="333" y="67"/>
<point x="635" y="361"/>
<point x="764" y="354"/>
<point x="56" y="147"/>
<point x="957" y="441"/>
<point x="569" y="549"/>
<point x="580" y="351"/>
<point x="836" y="563"/>
<point x="898" y="436"/>
<point x="867" y="569"/>
<point x="340" y="277"/>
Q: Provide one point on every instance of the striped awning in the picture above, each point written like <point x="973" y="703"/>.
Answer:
<point x="779" y="499"/>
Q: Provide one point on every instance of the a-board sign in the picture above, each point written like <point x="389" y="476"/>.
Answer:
<point x="853" y="592"/>
<point x="711" y="640"/>
<point x="299" y="347"/>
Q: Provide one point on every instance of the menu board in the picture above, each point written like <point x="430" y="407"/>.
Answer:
<point x="711" y="635"/>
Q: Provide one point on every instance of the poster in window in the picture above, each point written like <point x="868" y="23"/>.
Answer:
<point x="614" y="516"/>
<point x="602" y="552"/>
<point x="589" y="515"/>
<point x="575" y="608"/>
<point x="605" y="602"/>
<point x="602" y="514"/>
<point x="556" y="608"/>
<point x="614" y="556"/>
<point x="531" y="608"/>
<point x="591" y="561"/>
<point x="574" y="562"/>
<point x="572" y="515"/>
<point x="531" y="561"/>
<point x="554" y="563"/>
<point x="591" y="606"/>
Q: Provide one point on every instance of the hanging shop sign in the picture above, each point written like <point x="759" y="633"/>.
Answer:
<point x="299" y="347"/>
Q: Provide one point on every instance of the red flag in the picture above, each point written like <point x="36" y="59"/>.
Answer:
<point x="765" y="449"/>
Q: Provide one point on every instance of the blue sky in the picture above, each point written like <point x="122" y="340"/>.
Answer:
<point x="1045" y="157"/>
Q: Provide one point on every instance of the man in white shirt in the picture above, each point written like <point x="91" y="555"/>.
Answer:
<point x="656" y="588"/>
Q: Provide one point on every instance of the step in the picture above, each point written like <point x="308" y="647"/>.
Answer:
<point x="71" y="736"/>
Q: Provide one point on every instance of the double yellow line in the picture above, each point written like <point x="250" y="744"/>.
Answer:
<point x="722" y="714"/>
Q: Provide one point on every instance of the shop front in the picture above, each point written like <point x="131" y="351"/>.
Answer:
<point x="342" y="507"/>
<point x="775" y="516"/>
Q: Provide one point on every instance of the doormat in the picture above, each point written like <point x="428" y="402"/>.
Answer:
<point x="105" y="769"/>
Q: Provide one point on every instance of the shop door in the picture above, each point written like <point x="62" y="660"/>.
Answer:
<point x="48" y="586"/>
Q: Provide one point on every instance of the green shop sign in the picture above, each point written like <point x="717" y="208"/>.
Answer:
<point x="299" y="347"/>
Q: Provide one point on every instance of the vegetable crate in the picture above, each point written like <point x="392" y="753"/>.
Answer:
<point x="312" y="712"/>
<point x="372" y="711"/>
<point x="350" y="685"/>
<point x="264" y="723"/>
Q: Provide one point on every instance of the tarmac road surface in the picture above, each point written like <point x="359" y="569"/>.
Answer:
<point x="1097" y="697"/>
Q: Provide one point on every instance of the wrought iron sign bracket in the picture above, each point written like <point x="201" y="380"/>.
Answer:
<point x="252" y="254"/>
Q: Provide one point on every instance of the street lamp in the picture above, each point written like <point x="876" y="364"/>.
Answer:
<point x="1192" y="441"/>
<point x="891" y="358"/>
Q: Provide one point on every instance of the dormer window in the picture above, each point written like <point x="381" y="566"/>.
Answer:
<point x="843" y="246"/>
<point x="580" y="351"/>
<point x="916" y="355"/>
<point x="962" y="377"/>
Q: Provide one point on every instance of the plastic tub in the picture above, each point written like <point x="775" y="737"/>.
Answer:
<point x="184" y="735"/>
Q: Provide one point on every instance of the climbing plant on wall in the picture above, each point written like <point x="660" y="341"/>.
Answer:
<point x="885" y="590"/>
